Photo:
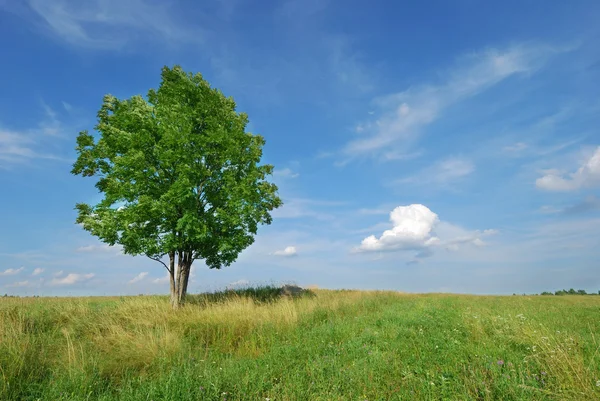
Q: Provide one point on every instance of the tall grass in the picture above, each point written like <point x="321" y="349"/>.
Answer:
<point x="334" y="345"/>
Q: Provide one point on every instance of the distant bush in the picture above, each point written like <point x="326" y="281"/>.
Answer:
<point x="260" y="295"/>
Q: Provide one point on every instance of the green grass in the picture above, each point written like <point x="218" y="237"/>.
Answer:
<point x="337" y="345"/>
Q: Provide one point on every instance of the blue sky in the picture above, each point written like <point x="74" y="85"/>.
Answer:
<point x="443" y="146"/>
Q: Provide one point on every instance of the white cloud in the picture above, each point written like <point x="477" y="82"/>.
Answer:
<point x="138" y="278"/>
<point x="59" y="273"/>
<point x="19" y="284"/>
<point x="50" y="125"/>
<point x="443" y="172"/>
<point x="371" y="211"/>
<point x="12" y="272"/>
<point x="15" y="147"/>
<point x="37" y="271"/>
<point x="104" y="248"/>
<point x="72" y="278"/>
<point x="515" y="148"/>
<point x="588" y="175"/>
<point x="346" y="64"/>
<point x="403" y="115"/>
<point x="416" y="228"/>
<point x="20" y="147"/>
<point x="285" y="173"/>
<point x="238" y="284"/>
<point x="298" y="207"/>
<point x="109" y="24"/>
<point x="162" y="280"/>
<point x="412" y="229"/>
<point x="288" y="251"/>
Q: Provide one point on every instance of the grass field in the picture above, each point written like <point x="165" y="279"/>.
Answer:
<point x="336" y="345"/>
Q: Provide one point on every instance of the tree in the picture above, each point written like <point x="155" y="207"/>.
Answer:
<point x="180" y="177"/>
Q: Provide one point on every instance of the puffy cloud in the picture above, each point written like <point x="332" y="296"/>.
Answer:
<point x="71" y="278"/>
<point x="37" y="271"/>
<point x="416" y="228"/>
<point x="288" y="251"/>
<point x="12" y="272"/>
<point x="412" y="229"/>
<point x="138" y="278"/>
<point x="588" y="175"/>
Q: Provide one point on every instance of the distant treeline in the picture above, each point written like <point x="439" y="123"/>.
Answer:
<point x="570" y="292"/>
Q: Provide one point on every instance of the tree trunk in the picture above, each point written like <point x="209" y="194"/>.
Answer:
<point x="180" y="278"/>
<point x="173" y="286"/>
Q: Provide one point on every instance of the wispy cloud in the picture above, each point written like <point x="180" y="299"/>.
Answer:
<point x="15" y="147"/>
<point x="18" y="147"/>
<point x="239" y="284"/>
<point x="515" y="148"/>
<point x="402" y="116"/>
<point x="444" y="172"/>
<point x="18" y="284"/>
<point x="588" y="204"/>
<point x="588" y="175"/>
<point x="51" y="125"/>
<point x="162" y="280"/>
<point x="12" y="272"/>
<point x="285" y="173"/>
<point x="301" y="207"/>
<point x="72" y="278"/>
<point x="138" y="278"/>
<point x="103" y="248"/>
<point x="110" y="24"/>
<point x="37" y="271"/>
<point x="347" y="66"/>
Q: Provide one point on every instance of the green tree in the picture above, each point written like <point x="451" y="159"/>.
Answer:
<point x="180" y="176"/>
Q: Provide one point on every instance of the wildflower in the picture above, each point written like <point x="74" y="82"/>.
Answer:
<point x="598" y="383"/>
<point x="543" y="373"/>
<point x="500" y="362"/>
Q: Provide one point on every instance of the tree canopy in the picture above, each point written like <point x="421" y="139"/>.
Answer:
<point x="180" y="176"/>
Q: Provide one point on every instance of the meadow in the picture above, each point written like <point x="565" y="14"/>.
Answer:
<point x="325" y="345"/>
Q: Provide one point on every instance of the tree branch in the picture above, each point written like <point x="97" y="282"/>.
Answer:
<point x="161" y="262"/>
